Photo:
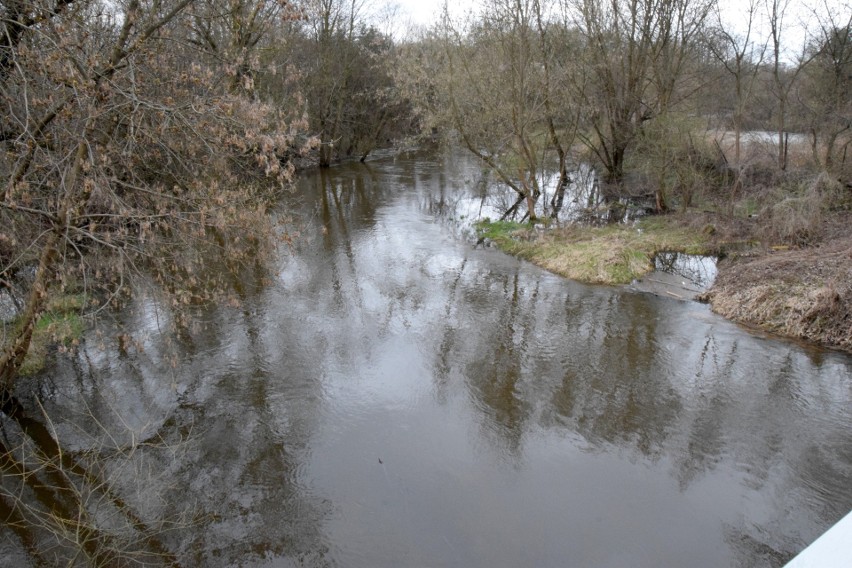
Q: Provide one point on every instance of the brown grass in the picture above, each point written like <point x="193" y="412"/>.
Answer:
<point x="612" y="255"/>
<point x="805" y="293"/>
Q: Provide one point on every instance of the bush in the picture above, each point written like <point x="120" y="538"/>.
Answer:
<point x="797" y="217"/>
<point x="677" y="160"/>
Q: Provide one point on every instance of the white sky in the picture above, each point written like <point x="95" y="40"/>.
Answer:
<point x="424" y="12"/>
<point x="418" y="13"/>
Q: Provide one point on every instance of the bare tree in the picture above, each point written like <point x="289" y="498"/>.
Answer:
<point x="741" y="55"/>
<point x="330" y="62"/>
<point x="502" y="94"/>
<point x="127" y="159"/>
<point x="234" y="31"/>
<point x="635" y="56"/>
<point x="122" y="150"/>
<point x="784" y="76"/>
<point x="828" y="91"/>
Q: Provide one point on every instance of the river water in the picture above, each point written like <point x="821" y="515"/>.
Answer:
<point x="398" y="397"/>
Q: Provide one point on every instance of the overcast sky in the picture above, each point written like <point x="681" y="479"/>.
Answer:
<point x="424" y="12"/>
<point x="419" y="11"/>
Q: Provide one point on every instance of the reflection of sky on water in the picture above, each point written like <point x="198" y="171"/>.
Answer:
<point x="397" y="397"/>
<point x="485" y="197"/>
<point x="698" y="270"/>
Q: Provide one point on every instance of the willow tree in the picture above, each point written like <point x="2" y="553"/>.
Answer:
<point x="827" y="92"/>
<point x="500" y="93"/>
<point x="636" y="52"/>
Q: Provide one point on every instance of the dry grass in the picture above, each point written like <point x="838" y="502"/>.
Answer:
<point x="804" y="293"/>
<point x="615" y="254"/>
<point x="799" y="215"/>
<point x="793" y="274"/>
<point x="785" y="234"/>
<point x="602" y="260"/>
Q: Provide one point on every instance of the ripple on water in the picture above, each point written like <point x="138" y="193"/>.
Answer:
<point x="399" y="398"/>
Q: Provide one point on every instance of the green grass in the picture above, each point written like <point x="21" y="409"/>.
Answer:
<point x="500" y="230"/>
<point x="61" y="324"/>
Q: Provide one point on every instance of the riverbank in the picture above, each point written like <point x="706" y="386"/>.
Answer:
<point x="803" y="293"/>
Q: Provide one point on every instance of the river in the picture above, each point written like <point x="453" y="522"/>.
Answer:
<point x="397" y="397"/>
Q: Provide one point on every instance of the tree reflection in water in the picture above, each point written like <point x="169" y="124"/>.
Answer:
<point x="397" y="397"/>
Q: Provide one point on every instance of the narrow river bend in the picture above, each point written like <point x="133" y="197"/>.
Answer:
<point x="397" y="397"/>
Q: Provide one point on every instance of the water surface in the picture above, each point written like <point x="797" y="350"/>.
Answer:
<point x="397" y="397"/>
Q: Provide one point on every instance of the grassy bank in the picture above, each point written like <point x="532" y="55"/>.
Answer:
<point x="803" y="292"/>
<point x="613" y="254"/>
<point x="60" y="326"/>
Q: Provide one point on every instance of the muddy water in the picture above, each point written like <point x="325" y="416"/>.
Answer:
<point x="397" y="397"/>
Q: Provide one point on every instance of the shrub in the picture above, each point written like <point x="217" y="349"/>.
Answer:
<point x="797" y="217"/>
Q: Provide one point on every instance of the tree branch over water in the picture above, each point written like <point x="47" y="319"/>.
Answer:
<point x="125" y="154"/>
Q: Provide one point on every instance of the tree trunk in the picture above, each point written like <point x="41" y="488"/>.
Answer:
<point x="615" y="168"/>
<point x="14" y="354"/>
<point x="660" y="201"/>
<point x="782" y="143"/>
